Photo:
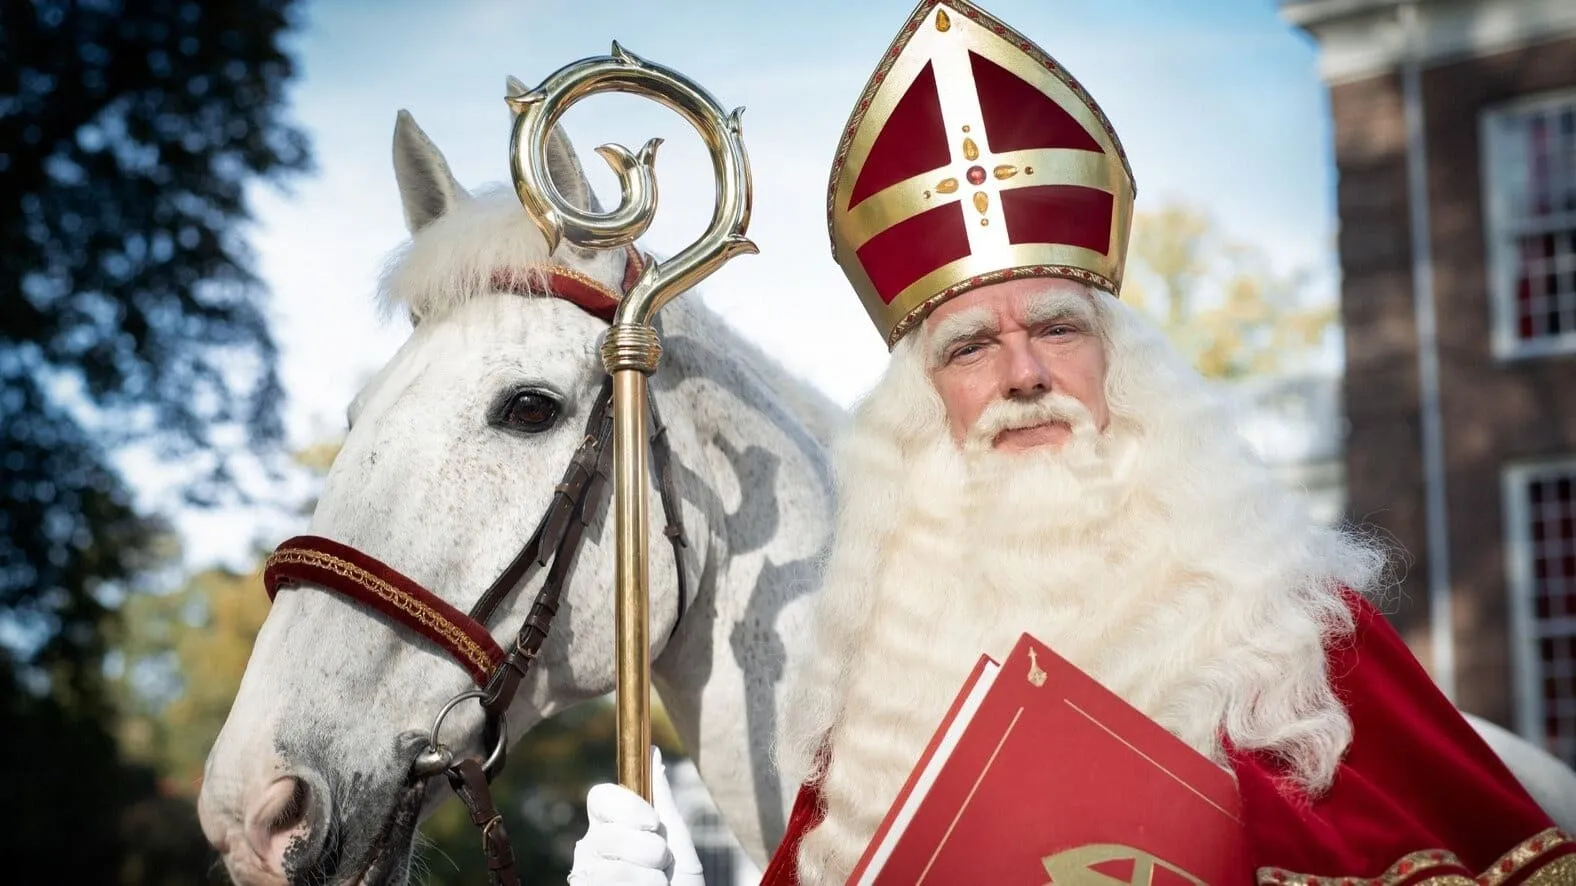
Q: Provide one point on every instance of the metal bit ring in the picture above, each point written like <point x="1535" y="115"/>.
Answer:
<point x="437" y="757"/>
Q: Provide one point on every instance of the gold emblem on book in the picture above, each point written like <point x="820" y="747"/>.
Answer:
<point x="1037" y="674"/>
<point x="1110" y="864"/>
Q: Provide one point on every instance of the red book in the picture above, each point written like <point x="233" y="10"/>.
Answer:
<point x="1039" y="775"/>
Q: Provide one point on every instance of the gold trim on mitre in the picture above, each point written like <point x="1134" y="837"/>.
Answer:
<point x="1002" y="234"/>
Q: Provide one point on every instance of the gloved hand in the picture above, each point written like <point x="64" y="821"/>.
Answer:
<point x="634" y="843"/>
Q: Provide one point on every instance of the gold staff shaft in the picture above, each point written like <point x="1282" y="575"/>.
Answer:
<point x="631" y="350"/>
<point x="633" y="580"/>
<point x="630" y="353"/>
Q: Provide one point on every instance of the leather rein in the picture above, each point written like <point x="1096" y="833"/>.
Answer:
<point x="577" y="502"/>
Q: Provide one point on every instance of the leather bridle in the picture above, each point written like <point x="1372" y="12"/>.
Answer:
<point x="554" y="545"/>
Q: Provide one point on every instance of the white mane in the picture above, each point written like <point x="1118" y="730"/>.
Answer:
<point x="454" y="258"/>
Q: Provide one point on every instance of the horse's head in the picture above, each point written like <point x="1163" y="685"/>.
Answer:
<point x="452" y="457"/>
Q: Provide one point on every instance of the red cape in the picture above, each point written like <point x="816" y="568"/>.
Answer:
<point x="1419" y="800"/>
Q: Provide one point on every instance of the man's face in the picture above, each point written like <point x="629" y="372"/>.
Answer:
<point x="1018" y="340"/>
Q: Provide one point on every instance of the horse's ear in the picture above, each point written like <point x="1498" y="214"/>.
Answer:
<point x="568" y="175"/>
<point x="426" y="186"/>
<point x="562" y="164"/>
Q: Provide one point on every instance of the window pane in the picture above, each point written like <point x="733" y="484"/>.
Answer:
<point x="1550" y="496"/>
<point x="1533" y="182"/>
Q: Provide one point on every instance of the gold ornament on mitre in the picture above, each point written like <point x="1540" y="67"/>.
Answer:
<point x="972" y="157"/>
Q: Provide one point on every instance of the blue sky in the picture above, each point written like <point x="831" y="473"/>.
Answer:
<point x="1217" y="102"/>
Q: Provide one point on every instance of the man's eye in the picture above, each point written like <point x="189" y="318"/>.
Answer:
<point x="964" y="351"/>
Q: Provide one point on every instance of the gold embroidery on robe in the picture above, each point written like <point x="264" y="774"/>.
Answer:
<point x="1560" y="871"/>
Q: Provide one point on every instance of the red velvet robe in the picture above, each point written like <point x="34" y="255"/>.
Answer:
<point x="1419" y="799"/>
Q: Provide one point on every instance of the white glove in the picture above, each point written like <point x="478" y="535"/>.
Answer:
<point x="630" y="843"/>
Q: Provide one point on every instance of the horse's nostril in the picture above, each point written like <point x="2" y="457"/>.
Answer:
<point x="294" y="810"/>
<point x="279" y="821"/>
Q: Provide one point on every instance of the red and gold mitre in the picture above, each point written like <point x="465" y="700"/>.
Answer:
<point x="972" y="157"/>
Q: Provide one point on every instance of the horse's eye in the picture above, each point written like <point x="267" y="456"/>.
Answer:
<point x="531" y="411"/>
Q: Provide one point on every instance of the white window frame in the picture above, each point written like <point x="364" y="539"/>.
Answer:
<point x="1526" y="661"/>
<point x="1497" y="173"/>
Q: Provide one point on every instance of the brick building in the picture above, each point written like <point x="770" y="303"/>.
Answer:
<point x="1455" y="149"/>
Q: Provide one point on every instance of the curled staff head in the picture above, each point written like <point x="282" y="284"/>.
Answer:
<point x="538" y="110"/>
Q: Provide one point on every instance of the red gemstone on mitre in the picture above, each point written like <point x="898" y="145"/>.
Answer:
<point x="976" y="175"/>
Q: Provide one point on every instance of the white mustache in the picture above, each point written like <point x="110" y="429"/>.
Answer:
<point x="1010" y="415"/>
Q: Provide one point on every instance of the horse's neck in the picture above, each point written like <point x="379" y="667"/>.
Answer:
<point x="749" y="443"/>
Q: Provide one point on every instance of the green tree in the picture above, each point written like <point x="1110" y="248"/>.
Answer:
<point x="129" y="131"/>
<point x="181" y="660"/>
<point x="1219" y="300"/>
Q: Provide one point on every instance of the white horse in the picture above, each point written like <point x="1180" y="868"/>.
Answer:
<point x="438" y="479"/>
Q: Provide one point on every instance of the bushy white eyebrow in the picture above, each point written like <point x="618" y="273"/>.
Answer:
<point x="964" y="325"/>
<point x="1043" y="308"/>
<point x="1048" y="307"/>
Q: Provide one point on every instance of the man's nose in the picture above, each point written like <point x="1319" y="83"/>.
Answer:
<point x="1024" y="373"/>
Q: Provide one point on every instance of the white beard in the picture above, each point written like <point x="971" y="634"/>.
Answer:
<point x="1179" y="576"/>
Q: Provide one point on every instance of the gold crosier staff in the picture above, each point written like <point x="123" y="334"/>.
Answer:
<point x="632" y="350"/>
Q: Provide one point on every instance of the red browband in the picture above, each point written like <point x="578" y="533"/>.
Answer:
<point x="565" y="284"/>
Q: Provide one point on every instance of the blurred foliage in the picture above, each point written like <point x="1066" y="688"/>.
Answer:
<point x="542" y="795"/>
<point x="129" y="133"/>
<point x="81" y="814"/>
<point x="182" y="657"/>
<point x="64" y="784"/>
<point x="1220" y="301"/>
